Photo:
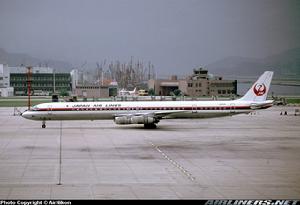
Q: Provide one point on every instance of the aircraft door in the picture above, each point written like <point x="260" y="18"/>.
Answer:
<point x="194" y="108"/>
<point x="232" y="108"/>
<point x="137" y="108"/>
<point x="49" y="110"/>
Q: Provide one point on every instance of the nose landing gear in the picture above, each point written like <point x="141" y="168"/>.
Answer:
<point x="44" y="124"/>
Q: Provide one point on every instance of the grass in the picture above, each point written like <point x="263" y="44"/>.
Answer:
<point x="293" y="100"/>
<point x="21" y="103"/>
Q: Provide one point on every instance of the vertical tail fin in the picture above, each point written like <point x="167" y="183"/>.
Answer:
<point x="259" y="90"/>
<point x="134" y="91"/>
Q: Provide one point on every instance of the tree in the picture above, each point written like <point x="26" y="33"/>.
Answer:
<point x="151" y="92"/>
<point x="176" y="92"/>
<point x="63" y="93"/>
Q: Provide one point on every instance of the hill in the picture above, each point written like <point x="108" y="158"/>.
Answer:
<point x="17" y="59"/>
<point x="285" y="64"/>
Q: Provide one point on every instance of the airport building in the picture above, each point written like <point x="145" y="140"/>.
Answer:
<point x="44" y="81"/>
<point x="84" y="87"/>
<point x="5" y="89"/>
<point x="200" y="83"/>
<point x="95" y="91"/>
<point x="163" y="87"/>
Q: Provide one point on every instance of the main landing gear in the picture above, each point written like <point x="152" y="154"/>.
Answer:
<point x="44" y="124"/>
<point x="150" y="126"/>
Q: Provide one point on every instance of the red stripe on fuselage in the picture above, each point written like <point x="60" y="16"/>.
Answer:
<point x="148" y="108"/>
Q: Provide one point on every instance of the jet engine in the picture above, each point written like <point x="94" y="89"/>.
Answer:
<point x="123" y="120"/>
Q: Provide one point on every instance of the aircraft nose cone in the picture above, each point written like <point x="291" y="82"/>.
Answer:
<point x="25" y="115"/>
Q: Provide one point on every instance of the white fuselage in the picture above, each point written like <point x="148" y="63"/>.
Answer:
<point x="167" y="109"/>
<point x="151" y="112"/>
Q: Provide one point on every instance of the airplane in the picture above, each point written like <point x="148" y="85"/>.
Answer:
<point x="124" y="92"/>
<point x="150" y="113"/>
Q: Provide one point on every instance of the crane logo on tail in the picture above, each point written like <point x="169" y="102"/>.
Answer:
<point x="259" y="89"/>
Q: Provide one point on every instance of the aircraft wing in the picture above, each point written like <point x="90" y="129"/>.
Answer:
<point x="156" y="114"/>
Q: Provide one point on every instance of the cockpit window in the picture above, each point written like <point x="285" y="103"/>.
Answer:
<point x="34" y="108"/>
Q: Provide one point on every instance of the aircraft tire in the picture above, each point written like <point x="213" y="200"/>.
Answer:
<point x="150" y="126"/>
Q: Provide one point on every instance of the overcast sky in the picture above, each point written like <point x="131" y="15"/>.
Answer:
<point x="175" y="35"/>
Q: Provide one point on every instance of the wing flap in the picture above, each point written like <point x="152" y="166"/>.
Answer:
<point x="157" y="114"/>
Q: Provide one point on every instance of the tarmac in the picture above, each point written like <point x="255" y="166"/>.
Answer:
<point x="237" y="157"/>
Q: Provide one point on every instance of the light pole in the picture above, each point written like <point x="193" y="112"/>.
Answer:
<point x="29" y="85"/>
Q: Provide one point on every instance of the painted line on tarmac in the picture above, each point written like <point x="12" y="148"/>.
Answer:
<point x="174" y="163"/>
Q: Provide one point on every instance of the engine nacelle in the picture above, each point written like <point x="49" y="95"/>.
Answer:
<point x="134" y="120"/>
<point x="122" y="120"/>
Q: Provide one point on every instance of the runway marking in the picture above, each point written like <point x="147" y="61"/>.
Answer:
<point x="174" y="163"/>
